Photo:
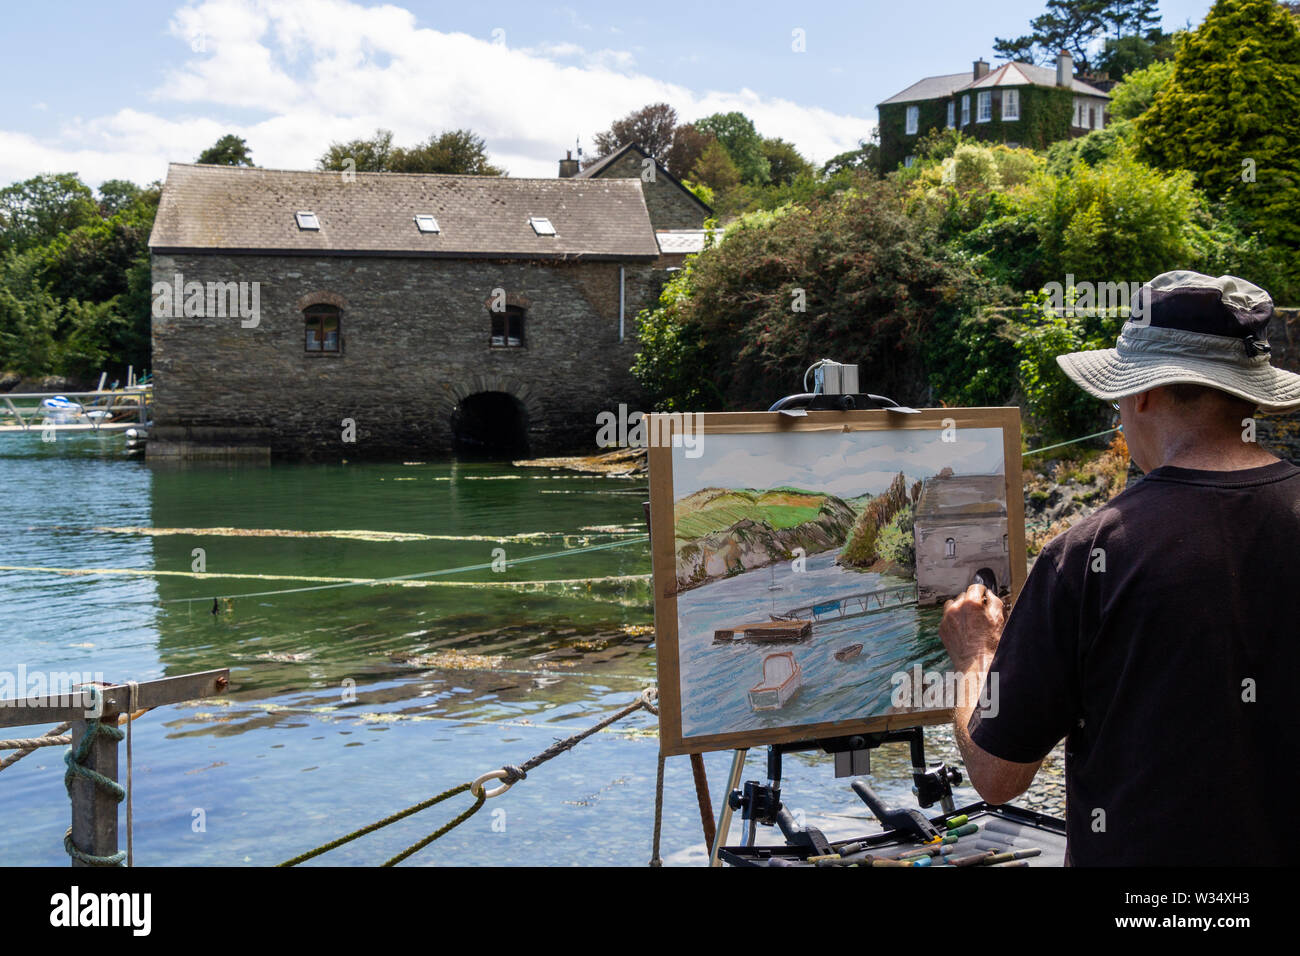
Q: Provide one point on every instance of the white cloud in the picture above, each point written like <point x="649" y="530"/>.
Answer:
<point x="308" y="73"/>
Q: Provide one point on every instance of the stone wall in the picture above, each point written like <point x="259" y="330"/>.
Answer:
<point x="415" y="341"/>
<point x="670" y="206"/>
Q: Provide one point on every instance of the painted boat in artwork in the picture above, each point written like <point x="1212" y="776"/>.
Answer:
<point x="849" y="652"/>
<point x="765" y="632"/>
<point x="782" y="678"/>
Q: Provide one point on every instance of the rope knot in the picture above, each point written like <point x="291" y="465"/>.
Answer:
<point x="648" y="698"/>
<point x="513" y="773"/>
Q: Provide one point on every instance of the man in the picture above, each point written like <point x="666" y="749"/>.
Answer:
<point x="1160" y="636"/>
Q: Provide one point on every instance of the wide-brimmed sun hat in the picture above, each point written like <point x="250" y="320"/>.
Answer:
<point x="1189" y="327"/>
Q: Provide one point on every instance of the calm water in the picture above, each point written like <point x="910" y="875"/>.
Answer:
<point x="348" y="703"/>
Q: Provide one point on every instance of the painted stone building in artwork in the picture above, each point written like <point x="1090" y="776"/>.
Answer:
<point x="396" y="314"/>
<point x="961" y="535"/>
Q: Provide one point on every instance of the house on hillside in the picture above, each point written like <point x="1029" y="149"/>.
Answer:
<point x="395" y="314"/>
<point x="676" y="213"/>
<point x="1018" y="104"/>
<point x="961" y="536"/>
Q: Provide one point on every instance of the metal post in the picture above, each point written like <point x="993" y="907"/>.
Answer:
<point x="94" y="811"/>
<point x="724" y="816"/>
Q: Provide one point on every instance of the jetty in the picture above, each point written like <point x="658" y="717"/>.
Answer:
<point x="99" y="410"/>
<point x="855" y="605"/>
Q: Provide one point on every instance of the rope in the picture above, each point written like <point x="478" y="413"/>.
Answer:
<point x="400" y="815"/>
<point x="130" y="786"/>
<point x="655" y="861"/>
<point x="31" y="743"/>
<point x="1062" y="444"/>
<point x="52" y="733"/>
<point x="510" y="773"/>
<point x="76" y="762"/>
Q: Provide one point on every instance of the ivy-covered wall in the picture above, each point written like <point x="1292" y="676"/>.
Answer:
<point x="1046" y="114"/>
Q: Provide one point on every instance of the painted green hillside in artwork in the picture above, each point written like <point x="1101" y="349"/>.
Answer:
<point x="716" y="509"/>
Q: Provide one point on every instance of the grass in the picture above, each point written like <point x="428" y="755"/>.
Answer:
<point x="716" y="509"/>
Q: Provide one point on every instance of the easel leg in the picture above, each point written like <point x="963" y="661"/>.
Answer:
<point x="705" y="802"/>
<point x="724" y="818"/>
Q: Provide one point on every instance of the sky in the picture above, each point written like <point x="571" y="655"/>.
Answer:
<point x="119" y="89"/>
<point x="845" y="465"/>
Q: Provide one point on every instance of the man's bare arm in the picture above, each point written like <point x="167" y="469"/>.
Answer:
<point x="971" y="627"/>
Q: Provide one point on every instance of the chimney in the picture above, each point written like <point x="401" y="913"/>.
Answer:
<point x="981" y="68"/>
<point x="1064" y="69"/>
<point x="568" y="165"/>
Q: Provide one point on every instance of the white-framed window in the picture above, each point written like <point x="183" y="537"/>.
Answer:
<point x="965" y="109"/>
<point x="1078" y="112"/>
<point x="952" y="113"/>
<point x="307" y="221"/>
<point x="1010" y="105"/>
<point x="1101" y="117"/>
<point x="426" y="223"/>
<point x="913" y="119"/>
<point x="541" y="225"/>
<point x="984" y="106"/>
<point x="950" y="548"/>
<point x="908" y="161"/>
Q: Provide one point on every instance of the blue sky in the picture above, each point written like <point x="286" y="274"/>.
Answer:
<point x="842" y="464"/>
<point x="119" y="89"/>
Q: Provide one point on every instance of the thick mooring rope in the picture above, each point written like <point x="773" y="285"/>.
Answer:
<point x="510" y="773"/>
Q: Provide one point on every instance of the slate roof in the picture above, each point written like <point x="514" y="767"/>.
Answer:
<point x="930" y="88"/>
<point x="243" y="209"/>
<point x="1009" y="74"/>
<point x="683" y="240"/>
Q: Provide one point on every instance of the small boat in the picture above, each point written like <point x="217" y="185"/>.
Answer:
<point x="848" y="653"/>
<point x="60" y="410"/>
<point x="782" y="679"/>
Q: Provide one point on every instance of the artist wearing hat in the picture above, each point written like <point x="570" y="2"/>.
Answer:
<point x="1160" y="636"/>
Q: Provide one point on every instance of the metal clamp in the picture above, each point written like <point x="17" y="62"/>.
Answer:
<point x="476" y="787"/>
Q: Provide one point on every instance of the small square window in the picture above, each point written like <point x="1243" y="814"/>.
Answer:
<point x="426" y="224"/>
<point x="541" y="225"/>
<point x="307" y="221"/>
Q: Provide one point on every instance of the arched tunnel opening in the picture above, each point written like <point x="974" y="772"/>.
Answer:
<point x="490" y="425"/>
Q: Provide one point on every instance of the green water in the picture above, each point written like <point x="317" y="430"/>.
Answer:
<point x="348" y="703"/>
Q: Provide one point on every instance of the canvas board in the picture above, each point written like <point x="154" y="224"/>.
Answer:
<point x="801" y="565"/>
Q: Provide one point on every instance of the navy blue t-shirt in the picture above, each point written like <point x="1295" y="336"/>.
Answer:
<point x="1160" y="637"/>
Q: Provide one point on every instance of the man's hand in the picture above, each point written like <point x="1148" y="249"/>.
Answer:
<point x="971" y="627"/>
<point x="970" y="630"/>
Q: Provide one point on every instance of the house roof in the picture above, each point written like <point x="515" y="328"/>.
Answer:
<point x="1026" y="74"/>
<point x="930" y="88"/>
<point x="1009" y="74"/>
<point x="595" y="170"/>
<point x="962" y="496"/>
<point x="246" y="209"/>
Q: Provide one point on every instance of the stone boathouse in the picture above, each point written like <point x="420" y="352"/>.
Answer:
<point x="390" y="315"/>
<point x="961" y="536"/>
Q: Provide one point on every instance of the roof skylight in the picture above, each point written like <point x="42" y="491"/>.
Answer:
<point x="541" y="225"/>
<point x="307" y="220"/>
<point x="426" y="223"/>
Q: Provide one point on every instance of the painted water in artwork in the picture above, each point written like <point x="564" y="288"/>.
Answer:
<point x="812" y="567"/>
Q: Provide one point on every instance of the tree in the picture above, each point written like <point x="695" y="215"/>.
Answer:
<point x="1231" y="113"/>
<point x="735" y="131"/>
<point x="1130" y="28"/>
<point x="1134" y="96"/>
<point x="35" y="211"/>
<point x="230" y="150"/>
<point x="689" y="144"/>
<point x="653" y="128"/>
<point x="454" y="151"/>
<point x="866" y="157"/>
<point x="716" y="170"/>
<point x="116" y="195"/>
<point x="360" y="155"/>
<point x="784" y="162"/>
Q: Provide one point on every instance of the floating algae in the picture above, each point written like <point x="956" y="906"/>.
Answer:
<point x="392" y="537"/>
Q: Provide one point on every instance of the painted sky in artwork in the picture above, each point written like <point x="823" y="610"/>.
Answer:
<point x="845" y="465"/>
